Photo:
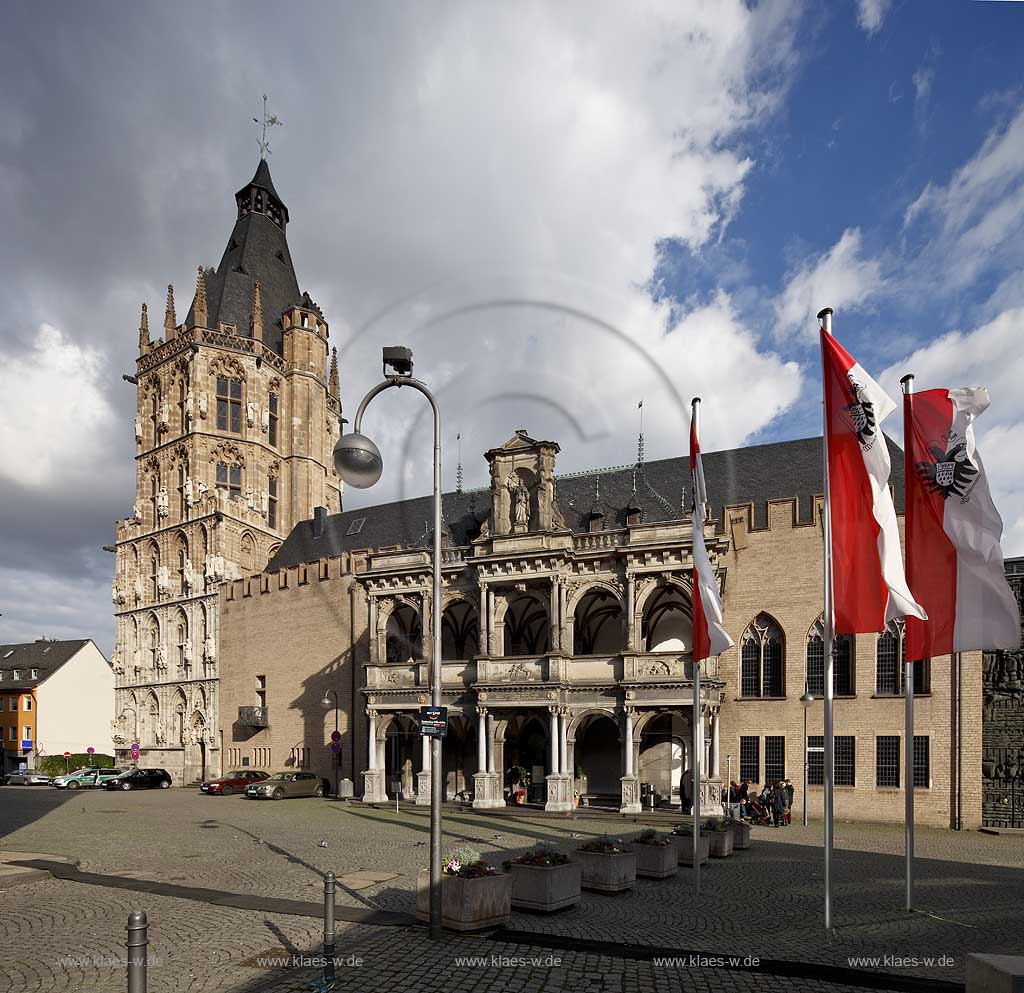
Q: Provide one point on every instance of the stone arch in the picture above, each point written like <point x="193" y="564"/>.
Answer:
<point x="402" y="627"/>
<point x="153" y="569"/>
<point x="202" y="548"/>
<point x="595" y="621"/>
<point x="843" y="655"/>
<point x="525" y="624"/>
<point x="460" y="629"/>
<point x="181" y="562"/>
<point x="151" y="716"/>
<point x="181" y="634"/>
<point x="398" y="736"/>
<point x="662" y="740"/>
<point x="596" y="751"/>
<point x="666" y="617"/>
<point x="153" y="641"/>
<point x="179" y="709"/>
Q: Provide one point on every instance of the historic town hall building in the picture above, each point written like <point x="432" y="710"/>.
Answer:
<point x="237" y="418"/>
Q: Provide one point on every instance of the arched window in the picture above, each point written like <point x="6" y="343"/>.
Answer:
<point x="180" y="570"/>
<point x="182" y="394"/>
<point x="597" y="624"/>
<point x="182" y="644"/>
<point x="247" y="558"/>
<point x="154" y="574"/>
<point x="154" y="491"/>
<point x="762" y="659"/>
<point x="890" y="656"/>
<point x="842" y="663"/>
<point x="229" y="405"/>
<point x="153" y="644"/>
<point x="460" y="631"/>
<point x="180" y="490"/>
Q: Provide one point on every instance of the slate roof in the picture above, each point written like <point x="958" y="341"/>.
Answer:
<point x="46" y="657"/>
<point x="756" y="474"/>
<point x="257" y="247"/>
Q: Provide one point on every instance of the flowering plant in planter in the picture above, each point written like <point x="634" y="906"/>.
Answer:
<point x="651" y="837"/>
<point x="684" y="830"/>
<point x="466" y="863"/>
<point x="603" y="846"/>
<point x="541" y="855"/>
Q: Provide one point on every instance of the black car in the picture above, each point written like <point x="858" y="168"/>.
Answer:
<point x="140" y="779"/>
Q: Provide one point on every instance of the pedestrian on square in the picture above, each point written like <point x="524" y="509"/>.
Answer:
<point x="790" y="792"/>
<point x="778" y="804"/>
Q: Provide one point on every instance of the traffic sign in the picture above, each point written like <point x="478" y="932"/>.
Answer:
<point x="90" y="750"/>
<point x="335" y="747"/>
<point x="67" y="755"/>
<point x="434" y="721"/>
<point x="335" y="736"/>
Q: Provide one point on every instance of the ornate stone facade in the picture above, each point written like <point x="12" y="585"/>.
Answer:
<point x="234" y="432"/>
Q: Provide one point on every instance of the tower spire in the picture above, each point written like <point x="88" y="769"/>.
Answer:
<point x="199" y="303"/>
<point x="144" y="332"/>
<point x="170" y="321"/>
<point x="458" y="471"/>
<point x="333" y="381"/>
<point x="257" y="312"/>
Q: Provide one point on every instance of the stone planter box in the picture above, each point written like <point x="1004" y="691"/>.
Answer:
<point x="740" y="835"/>
<point x="545" y="887"/>
<point x="655" y="861"/>
<point x="607" y="873"/>
<point x="683" y="846"/>
<point x="467" y="904"/>
<point x="719" y="843"/>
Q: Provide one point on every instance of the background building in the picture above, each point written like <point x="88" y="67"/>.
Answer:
<point x="566" y="632"/>
<point x="237" y="418"/>
<point x="55" y="697"/>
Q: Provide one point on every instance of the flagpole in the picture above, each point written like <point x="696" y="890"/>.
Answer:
<point x="825" y="316"/>
<point x="698" y="720"/>
<point x="908" y="689"/>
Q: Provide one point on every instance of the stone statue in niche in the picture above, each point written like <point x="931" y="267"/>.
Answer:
<point x="250" y="413"/>
<point x="203" y="404"/>
<point x="162" y="502"/>
<point x="138" y="428"/>
<point x="265" y="420"/>
<point x="165" y="414"/>
<point x="209" y="650"/>
<point x="189" y="574"/>
<point x="189" y="492"/>
<point x="189" y="404"/>
<point x="520" y="502"/>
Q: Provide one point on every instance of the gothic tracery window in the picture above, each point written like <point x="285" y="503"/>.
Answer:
<point x="229" y="405"/>
<point x="762" y="659"/>
<point x="842" y="662"/>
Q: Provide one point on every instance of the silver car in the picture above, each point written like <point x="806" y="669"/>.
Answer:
<point x="283" y="784"/>
<point x="27" y="777"/>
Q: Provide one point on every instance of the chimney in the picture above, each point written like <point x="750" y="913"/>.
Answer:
<point x="319" y="516"/>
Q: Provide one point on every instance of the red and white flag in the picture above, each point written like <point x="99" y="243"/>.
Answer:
<point x="954" y="562"/>
<point x="868" y="583"/>
<point x="709" y="637"/>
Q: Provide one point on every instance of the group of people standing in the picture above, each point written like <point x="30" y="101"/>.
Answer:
<point x="772" y="805"/>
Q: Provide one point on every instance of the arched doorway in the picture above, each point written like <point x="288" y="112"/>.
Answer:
<point x="527" y="749"/>
<point x="668" y="621"/>
<point x="527" y="626"/>
<point x="195" y="749"/>
<point x="663" y="749"/>
<point x="598" y="759"/>
<point x="401" y="760"/>
<point x="597" y="624"/>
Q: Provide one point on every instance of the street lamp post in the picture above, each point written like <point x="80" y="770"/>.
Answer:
<point x="336" y="740"/>
<point x="806" y="700"/>
<point x="357" y="460"/>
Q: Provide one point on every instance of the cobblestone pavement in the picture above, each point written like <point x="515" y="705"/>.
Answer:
<point x="764" y="902"/>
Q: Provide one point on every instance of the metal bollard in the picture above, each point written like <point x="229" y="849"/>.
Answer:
<point x="328" y="929"/>
<point x="138" y="940"/>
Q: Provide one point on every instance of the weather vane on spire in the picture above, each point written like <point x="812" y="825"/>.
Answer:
<point x="269" y="120"/>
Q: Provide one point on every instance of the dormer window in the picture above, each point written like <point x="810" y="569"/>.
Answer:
<point x="595" y="521"/>
<point x="35" y="674"/>
<point x="305" y="320"/>
<point x="633" y="516"/>
<point x="17" y="674"/>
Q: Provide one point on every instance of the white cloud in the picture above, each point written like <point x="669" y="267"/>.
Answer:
<point x="57" y="419"/>
<point x="841" y="278"/>
<point x="989" y="356"/>
<point x="975" y="221"/>
<point x="871" y="14"/>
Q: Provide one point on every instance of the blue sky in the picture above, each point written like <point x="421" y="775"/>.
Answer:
<point x="562" y="208"/>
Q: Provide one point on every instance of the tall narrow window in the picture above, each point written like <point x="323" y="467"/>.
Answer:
<point x="922" y="767"/>
<point x="229" y="478"/>
<point x="154" y="645"/>
<point x="750" y="758"/>
<point x="762" y="659"/>
<point x="182" y="556"/>
<point x="845" y="760"/>
<point x="272" y="427"/>
<point x="887" y="760"/>
<point x="815" y="760"/>
<point x="182" y="394"/>
<point x="261" y="691"/>
<point x="229" y="405"/>
<point x="154" y="413"/>
<point x="154" y="494"/>
<point x="889" y="657"/>
<point x="272" y="503"/>
<point x="774" y="758"/>
<point x="182" y="655"/>
<point x="181" y="493"/>
<point x="154" y="578"/>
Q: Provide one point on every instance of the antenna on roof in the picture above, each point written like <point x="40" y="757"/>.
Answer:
<point x="458" y="470"/>
<point x="640" y="440"/>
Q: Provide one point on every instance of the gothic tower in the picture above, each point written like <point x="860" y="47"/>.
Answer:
<point x="236" y="421"/>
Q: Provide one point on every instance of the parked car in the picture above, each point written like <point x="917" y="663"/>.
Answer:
<point x="233" y="782"/>
<point x="282" y="784"/>
<point x="140" y="779"/>
<point x="27" y="777"/>
<point x="91" y="776"/>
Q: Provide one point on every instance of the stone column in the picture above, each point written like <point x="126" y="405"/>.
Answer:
<point x="555" y="633"/>
<point x="374" y="786"/>
<point x="486" y="782"/>
<point x="715" y="770"/>
<point x="559" y="784"/>
<point x="630" y="612"/>
<point x="423" y="776"/>
<point x="630" y="784"/>
<point x="563" y="731"/>
<point x="490" y="621"/>
<point x="562" y="620"/>
<point x="371" y="629"/>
